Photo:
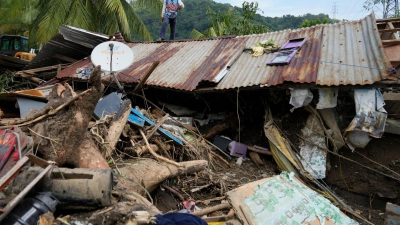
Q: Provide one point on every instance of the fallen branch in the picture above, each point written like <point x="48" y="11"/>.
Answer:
<point x="199" y="188"/>
<point x="259" y="151"/>
<point x="155" y="154"/>
<point x="207" y="201"/>
<point x="46" y="113"/>
<point x="206" y="211"/>
<point x="155" y="128"/>
<point x="62" y="220"/>
<point x="42" y="135"/>
<point x="137" y="198"/>
<point x="219" y="157"/>
<point x="173" y="191"/>
<point x="102" y="211"/>
<point x="226" y="217"/>
<point x="149" y="173"/>
<point x="161" y="147"/>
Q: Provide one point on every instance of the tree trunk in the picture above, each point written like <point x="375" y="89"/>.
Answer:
<point x="149" y="173"/>
<point x="64" y="132"/>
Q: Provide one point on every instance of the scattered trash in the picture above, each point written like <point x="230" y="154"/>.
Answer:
<point x="283" y="199"/>
<point x="370" y="118"/>
<point x="327" y="98"/>
<point x="300" y="98"/>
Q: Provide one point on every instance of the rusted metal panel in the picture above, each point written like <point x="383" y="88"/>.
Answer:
<point x="70" y="71"/>
<point x="348" y="53"/>
<point x="183" y="64"/>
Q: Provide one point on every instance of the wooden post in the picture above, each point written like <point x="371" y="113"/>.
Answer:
<point x="146" y="76"/>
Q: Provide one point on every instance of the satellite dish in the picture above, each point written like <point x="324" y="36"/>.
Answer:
<point x="122" y="56"/>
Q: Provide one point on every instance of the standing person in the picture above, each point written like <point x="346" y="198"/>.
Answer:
<point x="168" y="15"/>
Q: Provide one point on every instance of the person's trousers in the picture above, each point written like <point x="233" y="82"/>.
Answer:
<point x="172" y="25"/>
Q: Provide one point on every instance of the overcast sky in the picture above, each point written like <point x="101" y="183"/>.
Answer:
<point x="346" y="9"/>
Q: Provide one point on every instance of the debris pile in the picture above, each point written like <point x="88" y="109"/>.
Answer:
<point x="91" y="150"/>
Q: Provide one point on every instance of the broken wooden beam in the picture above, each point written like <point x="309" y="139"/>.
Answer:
<point x="117" y="125"/>
<point x="146" y="76"/>
<point x="391" y="42"/>
<point x="264" y="152"/>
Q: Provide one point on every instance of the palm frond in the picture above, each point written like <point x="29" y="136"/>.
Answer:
<point x="195" y="34"/>
<point x="155" y="6"/>
<point x="210" y="32"/>
<point x="114" y="8"/>
<point x="136" y="25"/>
<point x="81" y="15"/>
<point x="50" y="18"/>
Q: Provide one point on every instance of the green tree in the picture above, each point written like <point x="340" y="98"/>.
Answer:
<point x="104" y="16"/>
<point x="16" y="16"/>
<point x="228" y="23"/>
<point x="307" y="23"/>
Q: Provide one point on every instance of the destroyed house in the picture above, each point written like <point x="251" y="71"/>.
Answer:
<point x="306" y="101"/>
<point x="348" y="53"/>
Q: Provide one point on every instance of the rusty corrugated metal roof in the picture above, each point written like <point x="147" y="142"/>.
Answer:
<point x="182" y="64"/>
<point x="349" y="53"/>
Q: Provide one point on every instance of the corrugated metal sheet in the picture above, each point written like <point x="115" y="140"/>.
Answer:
<point x="80" y="47"/>
<point x="182" y="64"/>
<point x="349" y="53"/>
<point x="70" y="71"/>
<point x="82" y="37"/>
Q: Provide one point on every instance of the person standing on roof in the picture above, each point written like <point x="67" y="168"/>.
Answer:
<point x="168" y="16"/>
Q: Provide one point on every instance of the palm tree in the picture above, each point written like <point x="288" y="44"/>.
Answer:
<point x="103" y="16"/>
<point x="229" y="24"/>
<point x="16" y="16"/>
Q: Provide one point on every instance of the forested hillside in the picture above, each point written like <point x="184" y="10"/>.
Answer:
<point x="194" y="16"/>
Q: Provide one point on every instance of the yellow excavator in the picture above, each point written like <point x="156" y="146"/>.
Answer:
<point x="14" y="51"/>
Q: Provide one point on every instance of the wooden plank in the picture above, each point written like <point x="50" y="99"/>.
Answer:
<point x="394" y="35"/>
<point x="5" y="180"/>
<point x="391" y="42"/>
<point x="22" y="194"/>
<point x="38" y="161"/>
<point x="146" y="76"/>
<point x="389" y="30"/>
<point x="388" y="20"/>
